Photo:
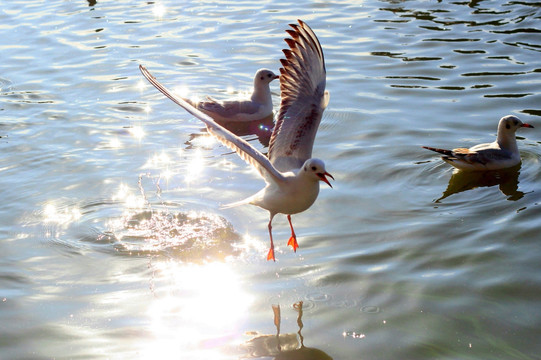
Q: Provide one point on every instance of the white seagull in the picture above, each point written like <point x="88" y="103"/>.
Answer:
<point x="257" y="107"/>
<point x="500" y="154"/>
<point x="291" y="174"/>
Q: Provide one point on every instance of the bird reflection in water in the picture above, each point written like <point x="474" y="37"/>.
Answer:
<point x="506" y="179"/>
<point x="288" y="346"/>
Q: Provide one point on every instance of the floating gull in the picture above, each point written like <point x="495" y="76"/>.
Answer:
<point x="257" y="107"/>
<point x="500" y="154"/>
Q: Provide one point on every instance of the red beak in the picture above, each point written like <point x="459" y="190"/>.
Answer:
<point x="526" y="125"/>
<point x="324" y="179"/>
<point x="276" y="77"/>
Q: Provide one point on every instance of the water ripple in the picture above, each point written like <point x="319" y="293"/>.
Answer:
<point x="403" y="258"/>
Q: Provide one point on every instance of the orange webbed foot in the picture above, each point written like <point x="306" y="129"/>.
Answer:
<point x="270" y="255"/>
<point x="293" y="243"/>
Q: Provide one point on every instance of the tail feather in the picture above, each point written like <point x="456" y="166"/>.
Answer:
<point x="236" y="203"/>
<point x="441" y="151"/>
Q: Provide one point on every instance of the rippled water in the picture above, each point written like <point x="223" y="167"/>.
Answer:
<point x="112" y="238"/>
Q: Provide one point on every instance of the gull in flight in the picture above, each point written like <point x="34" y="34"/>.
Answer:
<point x="258" y="107"/>
<point x="500" y="154"/>
<point x="291" y="174"/>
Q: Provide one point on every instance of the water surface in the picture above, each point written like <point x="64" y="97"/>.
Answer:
<point x="113" y="241"/>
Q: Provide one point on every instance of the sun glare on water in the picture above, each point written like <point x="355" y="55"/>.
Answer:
<point x="140" y="85"/>
<point x="200" y="310"/>
<point x="195" y="167"/>
<point x="159" y="10"/>
<point x="128" y="198"/>
<point x="137" y="132"/>
<point x="181" y="91"/>
<point x="52" y="214"/>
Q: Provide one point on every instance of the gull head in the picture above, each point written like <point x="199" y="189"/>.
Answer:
<point x="510" y="124"/>
<point x="264" y="76"/>
<point x="315" y="169"/>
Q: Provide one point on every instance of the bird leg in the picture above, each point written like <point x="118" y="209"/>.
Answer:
<point x="270" y="255"/>
<point x="293" y="239"/>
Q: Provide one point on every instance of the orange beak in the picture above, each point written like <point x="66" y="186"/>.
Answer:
<point x="324" y="179"/>
<point x="526" y="125"/>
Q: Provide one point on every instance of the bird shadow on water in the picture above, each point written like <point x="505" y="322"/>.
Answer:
<point x="289" y="346"/>
<point x="506" y="180"/>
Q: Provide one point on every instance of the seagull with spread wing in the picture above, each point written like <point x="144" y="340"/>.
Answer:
<point x="291" y="174"/>
<point x="500" y="154"/>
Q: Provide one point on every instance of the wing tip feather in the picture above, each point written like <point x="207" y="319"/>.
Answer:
<point x="302" y="76"/>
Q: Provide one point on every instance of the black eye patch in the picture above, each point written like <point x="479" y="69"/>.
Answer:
<point x="262" y="77"/>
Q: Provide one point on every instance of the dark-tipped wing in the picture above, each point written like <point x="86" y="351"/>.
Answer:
<point x="302" y="85"/>
<point x="485" y="155"/>
<point x="459" y="154"/>
<point x="441" y="151"/>
<point x="246" y="151"/>
<point x="482" y="157"/>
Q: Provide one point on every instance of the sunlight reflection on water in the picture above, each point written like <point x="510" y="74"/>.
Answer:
<point x="112" y="243"/>
<point x="154" y="228"/>
<point x="200" y="310"/>
<point x="60" y="216"/>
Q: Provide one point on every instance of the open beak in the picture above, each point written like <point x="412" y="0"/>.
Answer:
<point x="526" y="125"/>
<point x="324" y="179"/>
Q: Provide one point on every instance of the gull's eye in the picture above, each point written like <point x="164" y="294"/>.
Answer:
<point x="507" y="126"/>
<point x="314" y="168"/>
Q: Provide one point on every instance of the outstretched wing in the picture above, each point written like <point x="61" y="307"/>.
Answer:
<point x="302" y="85"/>
<point x="246" y="151"/>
